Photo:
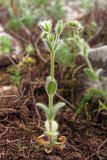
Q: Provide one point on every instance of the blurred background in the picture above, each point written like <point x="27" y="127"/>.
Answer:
<point x="92" y="14"/>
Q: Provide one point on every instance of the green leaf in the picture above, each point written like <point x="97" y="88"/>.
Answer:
<point x="103" y="106"/>
<point x="43" y="107"/>
<point x="15" y="77"/>
<point x="51" y="86"/>
<point x="98" y="92"/>
<point x="46" y="110"/>
<point x="98" y="72"/>
<point x="83" y="46"/>
<point x="57" y="107"/>
<point x="82" y="104"/>
<point x="29" y="49"/>
<point x="90" y="74"/>
<point x="27" y="20"/>
<point x="64" y="57"/>
<point x="58" y="45"/>
<point x="14" y="24"/>
<point x="40" y="2"/>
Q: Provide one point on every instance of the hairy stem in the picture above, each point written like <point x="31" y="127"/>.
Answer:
<point x="50" y="103"/>
<point x="51" y="96"/>
<point x="88" y="63"/>
<point x="52" y="65"/>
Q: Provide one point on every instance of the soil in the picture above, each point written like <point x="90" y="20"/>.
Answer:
<point x="21" y="122"/>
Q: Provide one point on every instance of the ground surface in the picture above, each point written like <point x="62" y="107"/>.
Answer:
<point x="21" y="123"/>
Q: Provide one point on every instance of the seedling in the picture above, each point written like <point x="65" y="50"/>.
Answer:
<point x="94" y="76"/>
<point x="6" y="47"/>
<point x="5" y="44"/>
<point x="29" y="49"/>
<point x="15" y="75"/>
<point x="53" y="43"/>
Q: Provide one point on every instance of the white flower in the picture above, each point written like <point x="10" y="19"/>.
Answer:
<point x="46" y="25"/>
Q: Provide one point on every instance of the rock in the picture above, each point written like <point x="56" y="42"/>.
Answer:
<point x="6" y="91"/>
<point x="101" y="4"/>
<point x="8" y="94"/>
<point x="98" y="57"/>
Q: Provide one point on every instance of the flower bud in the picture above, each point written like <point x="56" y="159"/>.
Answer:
<point x="75" y="24"/>
<point x="51" y="37"/>
<point x="59" y="27"/>
<point x="46" y="25"/>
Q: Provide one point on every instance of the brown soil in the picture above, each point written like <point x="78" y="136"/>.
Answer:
<point x="20" y="125"/>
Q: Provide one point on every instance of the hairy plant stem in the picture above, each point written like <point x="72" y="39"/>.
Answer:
<point x="88" y="63"/>
<point x="75" y="41"/>
<point x="51" y="96"/>
<point x="52" y="77"/>
<point x="50" y="103"/>
<point x="52" y="64"/>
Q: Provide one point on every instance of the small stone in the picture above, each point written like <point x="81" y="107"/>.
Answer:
<point x="8" y="90"/>
<point x="8" y="94"/>
<point x="98" y="56"/>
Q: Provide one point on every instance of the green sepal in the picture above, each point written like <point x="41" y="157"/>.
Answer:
<point x="58" y="45"/>
<point x="49" y="45"/>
